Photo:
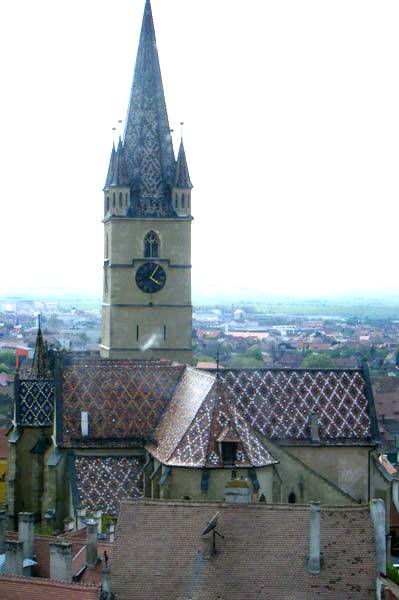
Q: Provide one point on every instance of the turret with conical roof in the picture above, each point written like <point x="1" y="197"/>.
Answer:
<point x="117" y="188"/>
<point x="181" y="193"/>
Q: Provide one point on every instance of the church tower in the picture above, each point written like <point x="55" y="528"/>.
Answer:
<point x="147" y="309"/>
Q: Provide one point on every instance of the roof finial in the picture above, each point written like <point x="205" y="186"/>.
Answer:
<point x="181" y="129"/>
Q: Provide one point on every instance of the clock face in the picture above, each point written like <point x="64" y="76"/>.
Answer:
<point x="150" y="277"/>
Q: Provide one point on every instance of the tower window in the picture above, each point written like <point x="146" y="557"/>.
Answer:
<point x="164" y="333"/>
<point x="106" y="245"/>
<point x="120" y="199"/>
<point x="183" y="200"/>
<point x="126" y="198"/>
<point x="113" y="199"/>
<point x="151" y="245"/>
<point x="137" y="333"/>
<point x="175" y="200"/>
<point x="84" y="423"/>
<point x="189" y="201"/>
<point x="107" y="204"/>
<point x="292" y="498"/>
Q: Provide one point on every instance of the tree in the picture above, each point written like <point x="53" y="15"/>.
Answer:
<point x="317" y="361"/>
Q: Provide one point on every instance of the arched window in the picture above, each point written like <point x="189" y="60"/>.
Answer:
<point x="106" y="245"/>
<point x="262" y="498"/>
<point x="175" y="200"/>
<point x="126" y="197"/>
<point x="183" y="199"/>
<point x="151" y="245"/>
<point x="107" y="204"/>
<point x="189" y="201"/>
<point x="120" y="199"/>
<point x="113" y="199"/>
<point x="292" y="498"/>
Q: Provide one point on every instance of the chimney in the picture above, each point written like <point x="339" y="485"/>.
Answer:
<point x="97" y="515"/>
<point x="14" y="557"/>
<point x="314" y="427"/>
<point x="238" y="491"/>
<point x="91" y="543"/>
<point x="61" y="561"/>
<point x="111" y="531"/>
<point x="314" y="539"/>
<point x="81" y="520"/>
<point x="106" y="593"/>
<point x="2" y="530"/>
<point x="377" y="513"/>
<point x="26" y="522"/>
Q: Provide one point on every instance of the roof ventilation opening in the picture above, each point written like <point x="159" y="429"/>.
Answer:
<point x="84" y="423"/>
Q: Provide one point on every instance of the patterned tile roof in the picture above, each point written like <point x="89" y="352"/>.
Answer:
<point x="147" y="140"/>
<point x="124" y="403"/>
<point x="279" y="402"/>
<point x="102" y="482"/>
<point x="35" y="402"/>
<point x="160" y="553"/>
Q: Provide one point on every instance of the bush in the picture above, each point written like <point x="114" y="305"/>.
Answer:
<point x="393" y="573"/>
<point x="318" y="361"/>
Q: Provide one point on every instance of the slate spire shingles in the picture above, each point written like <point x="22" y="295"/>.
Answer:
<point x="182" y="179"/>
<point x="119" y="173"/>
<point x="40" y="358"/>
<point x="111" y="168"/>
<point x="147" y="139"/>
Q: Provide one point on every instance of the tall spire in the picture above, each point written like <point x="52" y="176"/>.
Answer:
<point x="182" y="179"/>
<point x="147" y="140"/>
<point x="40" y="362"/>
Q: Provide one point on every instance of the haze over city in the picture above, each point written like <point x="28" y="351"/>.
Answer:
<point x="291" y="129"/>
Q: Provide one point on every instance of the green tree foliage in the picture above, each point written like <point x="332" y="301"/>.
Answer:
<point x="317" y="361"/>
<point x="241" y="361"/>
<point x="254" y="352"/>
<point x="7" y="358"/>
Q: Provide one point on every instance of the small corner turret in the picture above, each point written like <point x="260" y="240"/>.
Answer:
<point x="117" y="188"/>
<point x="181" y="192"/>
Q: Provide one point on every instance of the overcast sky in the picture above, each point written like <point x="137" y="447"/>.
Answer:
<point x="291" y="111"/>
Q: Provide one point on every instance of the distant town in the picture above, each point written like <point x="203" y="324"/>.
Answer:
<point x="313" y="334"/>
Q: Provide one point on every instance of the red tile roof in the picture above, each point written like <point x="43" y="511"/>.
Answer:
<point x="33" y="588"/>
<point x="160" y="553"/>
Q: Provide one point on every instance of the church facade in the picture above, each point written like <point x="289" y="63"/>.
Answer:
<point x="147" y="308"/>
<point x="92" y="429"/>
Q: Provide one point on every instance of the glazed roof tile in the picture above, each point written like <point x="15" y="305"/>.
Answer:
<point x="172" y="558"/>
<point x="102" y="482"/>
<point x="124" y="403"/>
<point x="279" y="402"/>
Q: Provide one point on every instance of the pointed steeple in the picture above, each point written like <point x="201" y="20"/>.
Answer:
<point x="182" y="179"/>
<point x="119" y="174"/>
<point x="147" y="141"/>
<point x="110" y="168"/>
<point x="40" y="358"/>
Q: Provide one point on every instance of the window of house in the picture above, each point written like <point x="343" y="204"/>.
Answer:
<point x="151" y="245"/>
<point x="229" y="452"/>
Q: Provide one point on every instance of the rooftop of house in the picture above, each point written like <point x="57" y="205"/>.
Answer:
<point x="160" y="552"/>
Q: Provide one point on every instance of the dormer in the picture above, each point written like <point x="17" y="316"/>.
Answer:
<point x="181" y="191"/>
<point x="117" y="188"/>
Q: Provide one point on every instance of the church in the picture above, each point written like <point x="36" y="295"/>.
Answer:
<point x="90" y="430"/>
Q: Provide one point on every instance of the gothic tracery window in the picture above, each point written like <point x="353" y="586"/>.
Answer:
<point x="151" y="245"/>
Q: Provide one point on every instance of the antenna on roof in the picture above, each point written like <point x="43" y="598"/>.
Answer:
<point x="213" y="523"/>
